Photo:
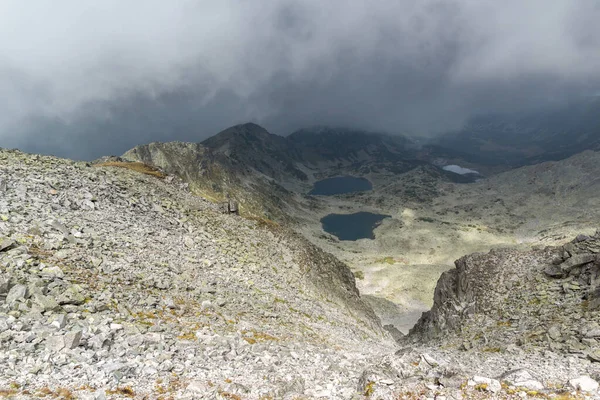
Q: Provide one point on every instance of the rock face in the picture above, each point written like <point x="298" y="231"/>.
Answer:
<point x="216" y="175"/>
<point x="539" y="299"/>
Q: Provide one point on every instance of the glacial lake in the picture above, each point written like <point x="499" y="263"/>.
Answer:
<point x="340" y="185"/>
<point x="352" y="226"/>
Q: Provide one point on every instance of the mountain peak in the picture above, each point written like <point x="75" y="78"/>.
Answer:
<point x="243" y="134"/>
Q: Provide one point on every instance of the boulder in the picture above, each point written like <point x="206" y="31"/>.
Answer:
<point x="17" y="292"/>
<point x="584" y="383"/>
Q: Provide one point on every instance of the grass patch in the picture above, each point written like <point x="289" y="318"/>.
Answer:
<point x="386" y="260"/>
<point x="492" y="350"/>
<point x="8" y="392"/>
<point x="123" y="391"/>
<point x="263" y="222"/>
<point x="135" y="166"/>
<point x="258" y="337"/>
<point x="60" y="393"/>
<point x="227" y="395"/>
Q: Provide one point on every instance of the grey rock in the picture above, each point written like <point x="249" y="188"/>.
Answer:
<point x="55" y="343"/>
<point x="554" y="333"/>
<point x="6" y="244"/>
<point x="394" y="332"/>
<point x="576" y="261"/>
<point x="594" y="354"/>
<point x="554" y="271"/>
<point x="17" y="292"/>
<point x="5" y="283"/>
<point x="592" y="333"/>
<point x="72" y="339"/>
<point x="47" y="303"/>
<point x="60" y="321"/>
<point x="71" y="296"/>
<point x="522" y="378"/>
<point x="52" y="272"/>
<point x="430" y="360"/>
<point x="59" y="227"/>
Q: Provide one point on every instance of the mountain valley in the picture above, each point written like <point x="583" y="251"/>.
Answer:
<point x="436" y="215"/>
<point x="125" y="278"/>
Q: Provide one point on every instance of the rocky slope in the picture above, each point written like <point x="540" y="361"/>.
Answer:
<point x="114" y="282"/>
<point x="117" y="284"/>
<point x="544" y="298"/>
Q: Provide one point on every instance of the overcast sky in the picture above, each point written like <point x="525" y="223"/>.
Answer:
<point x="83" y="78"/>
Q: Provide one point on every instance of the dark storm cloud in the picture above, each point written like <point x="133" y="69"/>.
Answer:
<point x="82" y="78"/>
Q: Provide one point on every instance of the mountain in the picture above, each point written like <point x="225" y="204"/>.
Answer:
<point x="525" y="138"/>
<point x="437" y="215"/>
<point x="250" y="145"/>
<point x="220" y="168"/>
<point x="266" y="172"/>
<point x="354" y="150"/>
<point x="117" y="282"/>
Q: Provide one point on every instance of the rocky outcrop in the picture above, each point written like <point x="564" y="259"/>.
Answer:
<point x="215" y="176"/>
<point x="540" y="299"/>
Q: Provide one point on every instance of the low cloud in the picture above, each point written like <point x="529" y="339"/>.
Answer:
<point x="81" y="79"/>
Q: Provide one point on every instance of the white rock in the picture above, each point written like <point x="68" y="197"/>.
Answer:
<point x="197" y="387"/>
<point x="492" y="385"/>
<point x="522" y="378"/>
<point x="206" y="304"/>
<point x="60" y="321"/>
<point x="116" y="327"/>
<point x="55" y="343"/>
<point x="584" y="383"/>
<point x="529" y="385"/>
<point x="430" y="360"/>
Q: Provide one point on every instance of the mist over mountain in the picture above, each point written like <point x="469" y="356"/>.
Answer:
<point x="82" y="81"/>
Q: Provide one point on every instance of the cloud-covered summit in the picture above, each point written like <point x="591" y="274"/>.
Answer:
<point x="82" y="78"/>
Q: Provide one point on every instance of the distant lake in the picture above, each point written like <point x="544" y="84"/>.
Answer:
<point x="352" y="226"/>
<point x="340" y="185"/>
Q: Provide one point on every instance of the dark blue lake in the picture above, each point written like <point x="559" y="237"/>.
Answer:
<point x="352" y="226"/>
<point x="340" y="185"/>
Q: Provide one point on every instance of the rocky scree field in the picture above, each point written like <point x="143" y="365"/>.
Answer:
<point x="114" y="283"/>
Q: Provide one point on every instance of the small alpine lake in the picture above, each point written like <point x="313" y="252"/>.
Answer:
<point x="352" y="226"/>
<point x="340" y="185"/>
